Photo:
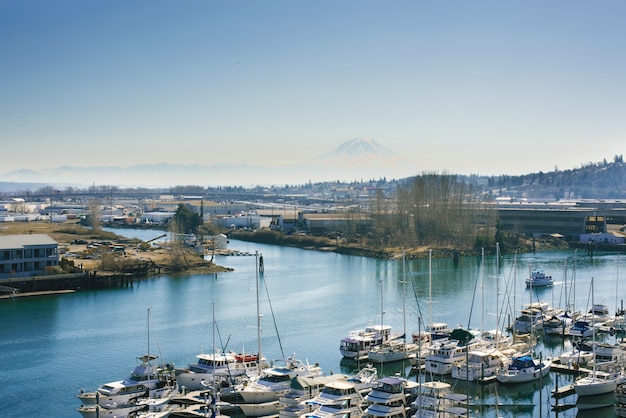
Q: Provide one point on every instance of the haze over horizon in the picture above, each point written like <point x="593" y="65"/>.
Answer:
<point x="483" y="87"/>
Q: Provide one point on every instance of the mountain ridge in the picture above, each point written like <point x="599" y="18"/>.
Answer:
<point x="354" y="159"/>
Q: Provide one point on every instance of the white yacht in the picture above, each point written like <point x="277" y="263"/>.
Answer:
<point x="581" y="329"/>
<point x="436" y="399"/>
<point x="558" y="324"/>
<point x="529" y="320"/>
<point x="481" y="366"/>
<point x="445" y="353"/>
<point x="293" y="404"/>
<point x="218" y="367"/>
<point x="337" y="400"/>
<point x="145" y="378"/>
<point x="394" y="350"/>
<point x="97" y="411"/>
<point x="276" y="380"/>
<point x="358" y="343"/>
<point x="391" y="398"/>
<point x="538" y="278"/>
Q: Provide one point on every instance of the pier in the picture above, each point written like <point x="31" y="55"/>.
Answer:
<point x="66" y="283"/>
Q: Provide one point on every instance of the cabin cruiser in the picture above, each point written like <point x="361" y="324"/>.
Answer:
<point x="274" y="381"/>
<point x="445" y="353"/>
<point x="217" y="369"/>
<point x="482" y="366"/>
<point x="358" y="343"/>
<point x="538" y="278"/>
<point x="144" y="378"/>
<point x="391" y="398"/>
<point x="530" y="320"/>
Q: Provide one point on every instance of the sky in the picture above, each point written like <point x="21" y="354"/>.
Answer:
<point x="468" y="87"/>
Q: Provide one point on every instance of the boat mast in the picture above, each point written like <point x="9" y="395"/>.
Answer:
<point x="404" y="299"/>
<point x="482" y="287"/>
<point x="149" y="365"/>
<point x="430" y="290"/>
<point x="497" y="294"/>
<point x="258" y="311"/>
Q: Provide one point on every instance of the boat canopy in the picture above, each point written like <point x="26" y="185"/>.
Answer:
<point x="461" y="335"/>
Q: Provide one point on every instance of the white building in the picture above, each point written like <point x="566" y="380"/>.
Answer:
<point x="602" y="238"/>
<point x="156" y="217"/>
<point x="27" y="254"/>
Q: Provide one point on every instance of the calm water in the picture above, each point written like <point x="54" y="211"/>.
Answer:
<point x="51" y="347"/>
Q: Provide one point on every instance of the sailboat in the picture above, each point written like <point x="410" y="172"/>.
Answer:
<point x="597" y="381"/>
<point x="398" y="349"/>
<point x="525" y="368"/>
<point x="260" y="397"/>
<point x="219" y="368"/>
<point x="126" y="397"/>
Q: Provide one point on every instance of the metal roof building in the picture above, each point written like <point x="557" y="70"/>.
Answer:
<point x="26" y="255"/>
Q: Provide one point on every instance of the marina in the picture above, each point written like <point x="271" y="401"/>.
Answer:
<point x="87" y="338"/>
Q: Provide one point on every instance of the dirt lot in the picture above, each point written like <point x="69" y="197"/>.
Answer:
<point x="179" y="261"/>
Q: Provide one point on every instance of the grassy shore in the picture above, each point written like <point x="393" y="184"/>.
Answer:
<point x="181" y="261"/>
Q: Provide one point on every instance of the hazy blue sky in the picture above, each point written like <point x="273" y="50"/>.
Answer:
<point x="487" y="87"/>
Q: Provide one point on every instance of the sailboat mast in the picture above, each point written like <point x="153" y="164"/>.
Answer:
<point x="214" y="352"/>
<point x="482" y="287"/>
<point x="382" y="311"/>
<point x="258" y="309"/>
<point x="404" y="298"/>
<point x="497" y="292"/>
<point x="430" y="289"/>
<point x="149" y="365"/>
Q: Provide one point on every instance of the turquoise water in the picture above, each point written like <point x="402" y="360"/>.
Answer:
<point x="53" y="346"/>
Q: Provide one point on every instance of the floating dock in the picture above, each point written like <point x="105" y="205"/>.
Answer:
<point x="42" y="293"/>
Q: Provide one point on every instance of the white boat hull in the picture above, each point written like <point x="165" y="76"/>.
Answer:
<point x="259" y="409"/>
<point x="521" y="376"/>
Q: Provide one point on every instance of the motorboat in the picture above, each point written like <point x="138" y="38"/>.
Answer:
<point x="391" y="398"/>
<point x="530" y="320"/>
<point x="538" y="278"/>
<point x="394" y="350"/>
<point x="88" y="398"/>
<point x="158" y="402"/>
<point x="145" y="378"/>
<point x="358" y="343"/>
<point x="482" y="366"/>
<point x="581" y="329"/>
<point x="580" y="355"/>
<point x="336" y="400"/>
<point x="276" y="380"/>
<point x="218" y="368"/>
<point x="436" y="399"/>
<point x="433" y="331"/>
<point x="524" y="369"/>
<point x="445" y="353"/>
<point x="97" y="411"/>
<point x="559" y="324"/>
<point x="293" y="404"/>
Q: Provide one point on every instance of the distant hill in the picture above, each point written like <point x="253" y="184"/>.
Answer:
<point x="358" y="159"/>
<point x="604" y="180"/>
<point x="354" y="160"/>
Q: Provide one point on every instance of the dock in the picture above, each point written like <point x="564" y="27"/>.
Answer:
<point x="200" y="403"/>
<point x="41" y="293"/>
<point x="569" y="369"/>
<point x="563" y="391"/>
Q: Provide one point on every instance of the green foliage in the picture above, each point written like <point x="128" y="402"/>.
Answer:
<point x="267" y="236"/>
<point x="185" y="220"/>
<point x="67" y="266"/>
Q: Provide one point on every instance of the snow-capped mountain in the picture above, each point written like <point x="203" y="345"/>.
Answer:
<point x="356" y="159"/>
